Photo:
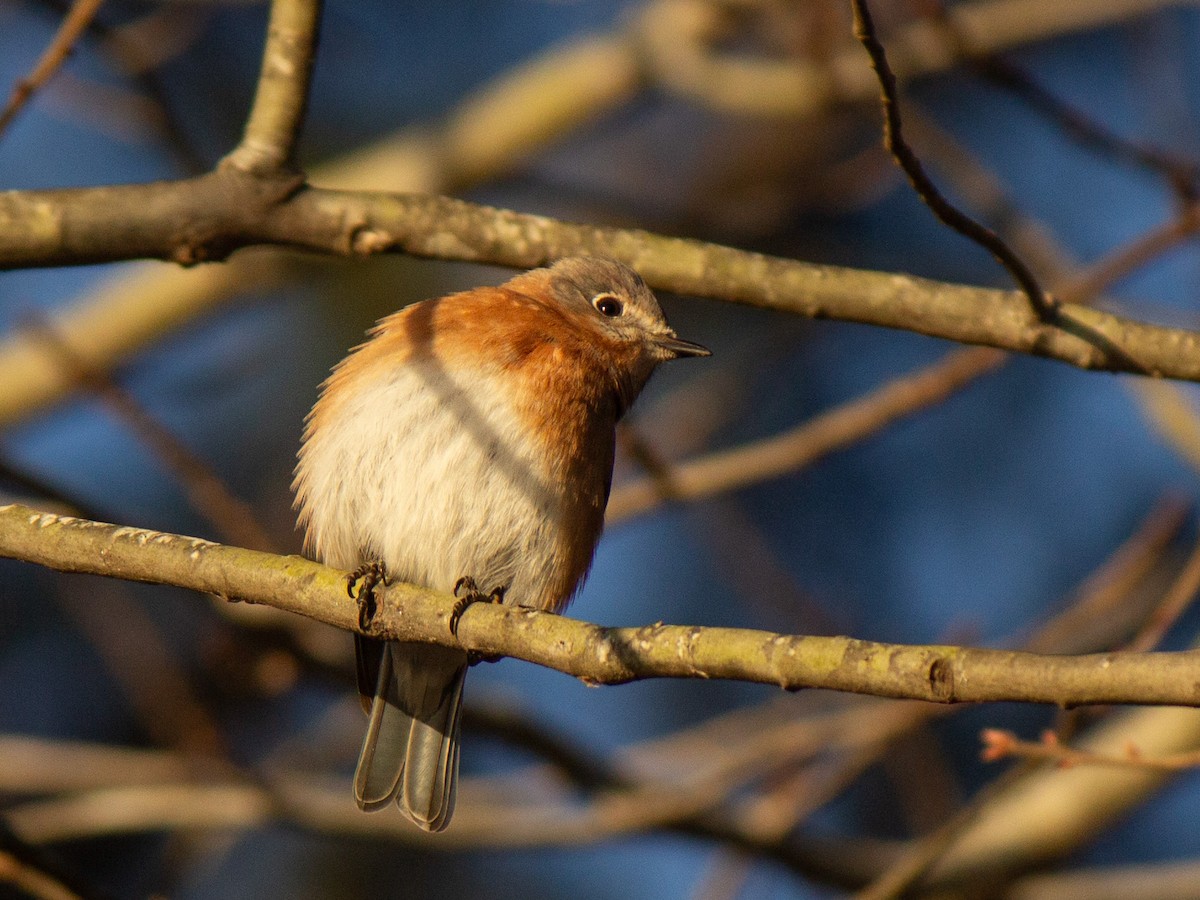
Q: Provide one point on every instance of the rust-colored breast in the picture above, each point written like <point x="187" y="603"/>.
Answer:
<point x="566" y="392"/>
<point x="563" y="376"/>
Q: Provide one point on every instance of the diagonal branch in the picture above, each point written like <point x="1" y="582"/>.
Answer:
<point x="596" y="654"/>
<point x="780" y="454"/>
<point x="949" y="214"/>
<point x="74" y="24"/>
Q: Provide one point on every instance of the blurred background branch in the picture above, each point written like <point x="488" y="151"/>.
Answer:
<point x="806" y="493"/>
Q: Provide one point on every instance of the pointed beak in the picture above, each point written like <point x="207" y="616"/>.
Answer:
<point x="675" y="347"/>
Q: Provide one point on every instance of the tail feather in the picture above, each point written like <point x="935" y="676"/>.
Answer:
<point x="431" y="767"/>
<point x="411" y="749"/>
<point x="381" y="762"/>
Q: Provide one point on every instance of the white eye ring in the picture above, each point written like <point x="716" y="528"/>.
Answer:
<point x="608" y="305"/>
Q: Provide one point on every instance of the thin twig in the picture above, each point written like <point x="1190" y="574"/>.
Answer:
<point x="233" y="519"/>
<point x="73" y="26"/>
<point x="1182" y="174"/>
<point x="1001" y="744"/>
<point x="1043" y="306"/>
<point x="1133" y="255"/>
<point x="820" y="436"/>
<point x="1101" y="605"/>
<point x="1178" y="597"/>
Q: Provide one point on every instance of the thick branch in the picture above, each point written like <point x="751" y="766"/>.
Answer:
<point x="208" y="217"/>
<point x="596" y="654"/>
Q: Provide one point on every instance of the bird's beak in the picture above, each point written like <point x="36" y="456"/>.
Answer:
<point x="677" y="347"/>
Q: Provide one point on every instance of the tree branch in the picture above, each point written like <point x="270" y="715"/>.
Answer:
<point x="496" y="125"/>
<point x="1043" y="307"/>
<point x="830" y="431"/>
<point x="683" y="47"/>
<point x="207" y="218"/>
<point x="277" y="115"/>
<point x="1000" y="743"/>
<point x="74" y="24"/>
<point x="596" y="654"/>
<point x="656" y="784"/>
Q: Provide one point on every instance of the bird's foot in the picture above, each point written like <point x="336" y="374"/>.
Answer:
<point x="361" y="584"/>
<point x="466" y="592"/>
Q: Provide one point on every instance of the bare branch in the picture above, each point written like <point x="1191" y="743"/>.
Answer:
<point x="232" y="517"/>
<point x="1132" y="255"/>
<point x="277" y="116"/>
<point x="600" y="655"/>
<point x="30" y="881"/>
<point x="1163" y="880"/>
<point x="1179" y="595"/>
<point x="116" y="320"/>
<point x="74" y="24"/>
<point x="858" y="419"/>
<point x="1182" y="173"/>
<point x="642" y="787"/>
<point x="826" y="433"/>
<point x="999" y="743"/>
<point x="208" y="217"/>
<point x="925" y="852"/>
<point x="1053" y="812"/>
<point x="950" y="215"/>
<point x="681" y="43"/>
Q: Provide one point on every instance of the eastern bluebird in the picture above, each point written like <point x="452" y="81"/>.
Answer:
<point x="468" y="446"/>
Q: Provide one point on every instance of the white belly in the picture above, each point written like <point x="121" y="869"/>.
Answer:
<point x="432" y="474"/>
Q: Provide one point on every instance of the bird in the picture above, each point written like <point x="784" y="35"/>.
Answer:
<point x="467" y="446"/>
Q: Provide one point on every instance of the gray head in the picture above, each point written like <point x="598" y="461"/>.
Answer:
<point x="615" y="300"/>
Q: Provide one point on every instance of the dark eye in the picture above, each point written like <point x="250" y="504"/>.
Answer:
<point x="608" y="305"/>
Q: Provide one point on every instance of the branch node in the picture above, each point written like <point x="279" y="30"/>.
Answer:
<point x="941" y="680"/>
<point x="366" y="241"/>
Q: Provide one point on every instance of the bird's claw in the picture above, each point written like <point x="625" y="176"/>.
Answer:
<point x="361" y="584"/>
<point x="466" y="592"/>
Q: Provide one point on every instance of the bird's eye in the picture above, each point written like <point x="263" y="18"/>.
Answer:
<point x="608" y="305"/>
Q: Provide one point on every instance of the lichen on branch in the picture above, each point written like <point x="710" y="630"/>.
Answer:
<point x="596" y="654"/>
